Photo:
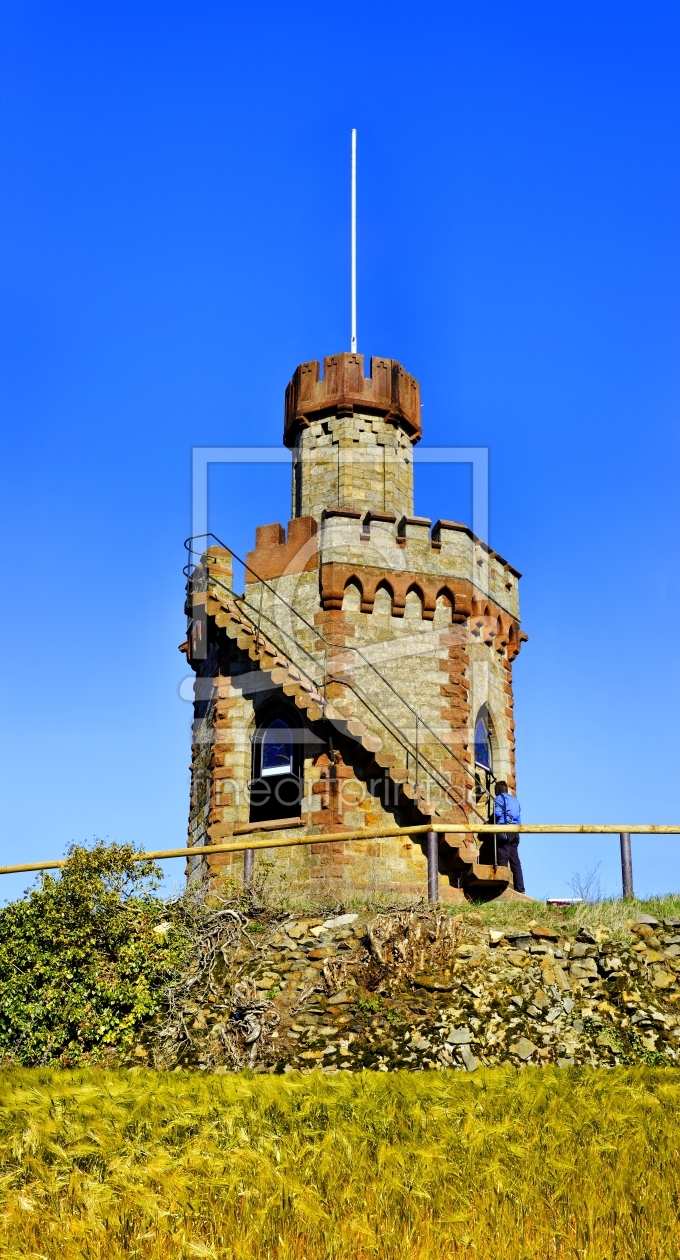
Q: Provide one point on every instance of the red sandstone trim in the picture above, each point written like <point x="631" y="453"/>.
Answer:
<point x="275" y="555"/>
<point x="389" y="392"/>
<point x="487" y="621"/>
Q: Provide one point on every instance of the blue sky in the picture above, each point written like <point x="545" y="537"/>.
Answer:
<point x="174" y="240"/>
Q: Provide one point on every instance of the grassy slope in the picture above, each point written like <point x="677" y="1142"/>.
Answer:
<point x="613" y="914"/>
<point x="420" y="1165"/>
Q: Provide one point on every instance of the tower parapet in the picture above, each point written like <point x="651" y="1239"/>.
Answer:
<point x="389" y="392"/>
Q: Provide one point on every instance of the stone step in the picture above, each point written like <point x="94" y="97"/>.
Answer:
<point x="281" y="675"/>
<point x="483" y="876"/>
<point x="385" y="760"/>
<point x="462" y="853"/>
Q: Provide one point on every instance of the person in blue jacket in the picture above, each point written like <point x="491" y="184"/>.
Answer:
<point x="506" y="810"/>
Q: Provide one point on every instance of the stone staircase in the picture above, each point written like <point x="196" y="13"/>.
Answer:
<point x="386" y="757"/>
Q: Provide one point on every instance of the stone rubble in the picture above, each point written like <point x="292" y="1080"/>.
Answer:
<point x="426" y="990"/>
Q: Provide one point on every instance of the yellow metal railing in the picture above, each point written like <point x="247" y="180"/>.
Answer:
<point x="258" y="840"/>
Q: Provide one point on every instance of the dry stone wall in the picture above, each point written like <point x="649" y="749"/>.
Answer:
<point x="426" y="990"/>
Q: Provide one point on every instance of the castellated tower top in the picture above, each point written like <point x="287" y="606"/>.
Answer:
<point x="352" y="437"/>
<point x="389" y="392"/>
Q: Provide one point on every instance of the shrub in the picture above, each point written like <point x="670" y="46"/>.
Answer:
<point x="82" y="960"/>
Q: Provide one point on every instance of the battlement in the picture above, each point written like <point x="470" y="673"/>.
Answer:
<point x="389" y="392"/>
<point x="374" y="547"/>
<point x="350" y="542"/>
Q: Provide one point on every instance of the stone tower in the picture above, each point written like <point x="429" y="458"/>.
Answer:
<point x="365" y="676"/>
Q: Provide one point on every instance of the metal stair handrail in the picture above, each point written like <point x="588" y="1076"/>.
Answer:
<point x="396" y="732"/>
<point x="383" y="719"/>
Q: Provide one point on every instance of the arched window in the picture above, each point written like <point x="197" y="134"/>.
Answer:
<point x="483" y="755"/>
<point x="484" y="778"/>
<point x="276" y="786"/>
<point x="277" y="748"/>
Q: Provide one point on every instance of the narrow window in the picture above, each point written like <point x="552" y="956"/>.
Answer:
<point x="484" y="800"/>
<point x="482" y="741"/>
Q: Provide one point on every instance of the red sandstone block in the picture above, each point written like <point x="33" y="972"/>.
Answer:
<point x="269" y="535"/>
<point x="219" y="859"/>
<point x="332" y="617"/>
<point x="222" y="832"/>
<point x="460" y="687"/>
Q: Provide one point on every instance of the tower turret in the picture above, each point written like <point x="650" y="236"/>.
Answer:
<point x="352" y="436"/>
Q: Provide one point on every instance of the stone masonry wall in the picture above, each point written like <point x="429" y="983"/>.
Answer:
<point x="358" y="461"/>
<point x="338" y="795"/>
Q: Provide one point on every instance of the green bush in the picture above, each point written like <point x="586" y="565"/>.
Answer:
<point x="82" y="960"/>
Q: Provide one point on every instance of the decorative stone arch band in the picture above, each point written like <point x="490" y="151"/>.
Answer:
<point x="488" y="622"/>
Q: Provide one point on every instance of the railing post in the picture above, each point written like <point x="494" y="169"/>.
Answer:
<point x="248" y="867"/>
<point x="432" y="866"/>
<point x="626" y="864"/>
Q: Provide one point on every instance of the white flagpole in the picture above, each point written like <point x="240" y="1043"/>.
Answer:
<point x="353" y="343"/>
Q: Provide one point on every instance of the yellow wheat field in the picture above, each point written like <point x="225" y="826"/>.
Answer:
<point x="504" y="1164"/>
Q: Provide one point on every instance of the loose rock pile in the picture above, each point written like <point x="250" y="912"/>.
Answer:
<point x="423" y="990"/>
